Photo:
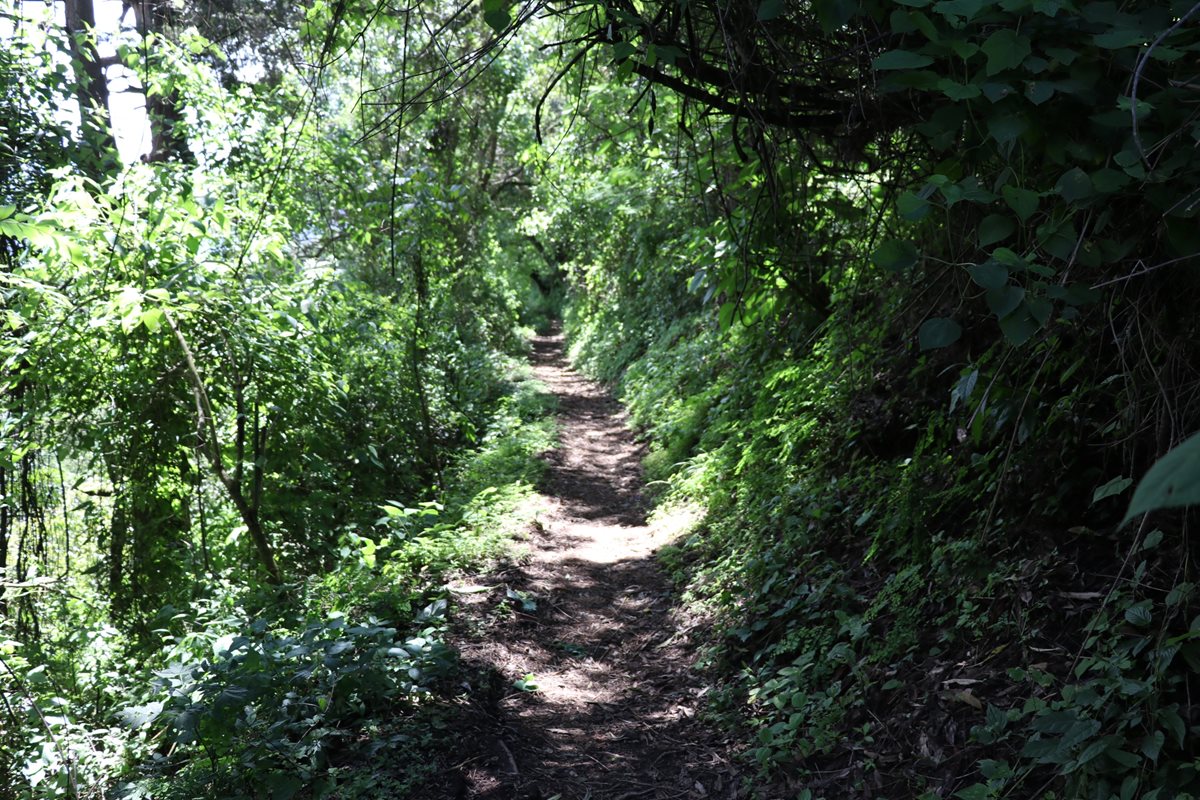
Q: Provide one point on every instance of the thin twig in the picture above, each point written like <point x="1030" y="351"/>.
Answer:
<point x="1137" y="78"/>
<point x="1140" y="273"/>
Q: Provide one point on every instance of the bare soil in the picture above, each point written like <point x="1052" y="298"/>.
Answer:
<point x="617" y="706"/>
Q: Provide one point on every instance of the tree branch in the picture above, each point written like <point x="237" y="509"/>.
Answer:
<point x="206" y="422"/>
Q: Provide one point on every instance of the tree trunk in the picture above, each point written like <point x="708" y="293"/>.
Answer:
<point x="206" y="432"/>
<point x="421" y="280"/>
<point x="91" y="88"/>
<point x="167" y="139"/>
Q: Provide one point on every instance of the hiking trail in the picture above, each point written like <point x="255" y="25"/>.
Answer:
<point x="616" y="711"/>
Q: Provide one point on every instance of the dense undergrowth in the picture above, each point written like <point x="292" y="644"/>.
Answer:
<point x="919" y="575"/>
<point x="892" y="616"/>
<point x="263" y="392"/>
<point x="249" y="696"/>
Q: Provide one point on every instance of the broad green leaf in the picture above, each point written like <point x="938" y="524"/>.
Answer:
<point x="959" y="8"/>
<point x="1092" y="751"/>
<point x="1005" y="49"/>
<point x="1019" y="326"/>
<point x="996" y="91"/>
<point x="989" y="275"/>
<point x="1123" y="757"/>
<point x="921" y="79"/>
<point x="1040" y="308"/>
<point x="1010" y="259"/>
<point x="1152" y="745"/>
<point x="1144" y="109"/>
<point x="1006" y="127"/>
<point x="1056" y="722"/>
<point x="1059" y="240"/>
<point x="963" y="389"/>
<point x="1074" y="185"/>
<point x="1113" y="487"/>
<point x="962" y="48"/>
<point x="498" y="19"/>
<point x="938" y="332"/>
<point x="1152" y="540"/>
<point x="901" y="59"/>
<point x="1120" y="38"/>
<point x="1170" y="718"/>
<point x="902" y="22"/>
<point x="972" y="191"/>
<point x="952" y="193"/>
<point x="895" y="255"/>
<point x="623" y="50"/>
<point x="1023" y="201"/>
<point x="1039" y="92"/>
<point x="996" y="717"/>
<point x="725" y="315"/>
<point x="1107" y="180"/>
<point x="152" y="319"/>
<point x="128" y="298"/>
<point x="1003" y="300"/>
<point x="995" y="228"/>
<point x="284" y="785"/>
<point x="959" y="91"/>
<point x="1173" y="481"/>
<point x="1048" y="7"/>
<point x="976" y="791"/>
<point x="1063" y="55"/>
<point x="1179" y="593"/>
<point x="912" y="206"/>
<point x="139" y="716"/>
<point x="833" y="14"/>
<point x="1035" y="65"/>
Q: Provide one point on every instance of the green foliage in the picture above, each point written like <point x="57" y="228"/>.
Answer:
<point x="892" y="315"/>
<point x="1172" y="481"/>
<point x="272" y="709"/>
<point x="218" y="365"/>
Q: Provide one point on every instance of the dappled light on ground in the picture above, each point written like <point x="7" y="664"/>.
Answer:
<point x="610" y="702"/>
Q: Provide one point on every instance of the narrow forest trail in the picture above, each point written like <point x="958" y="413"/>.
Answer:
<point x="616" y="711"/>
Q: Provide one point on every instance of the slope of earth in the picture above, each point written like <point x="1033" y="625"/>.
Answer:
<point x="584" y="687"/>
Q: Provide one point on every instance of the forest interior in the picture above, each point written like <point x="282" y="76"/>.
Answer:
<point x="599" y="399"/>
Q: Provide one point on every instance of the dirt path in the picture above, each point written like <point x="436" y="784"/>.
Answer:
<point x="615" y="713"/>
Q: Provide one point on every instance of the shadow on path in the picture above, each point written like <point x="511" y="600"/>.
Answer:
<point x="614" y="716"/>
